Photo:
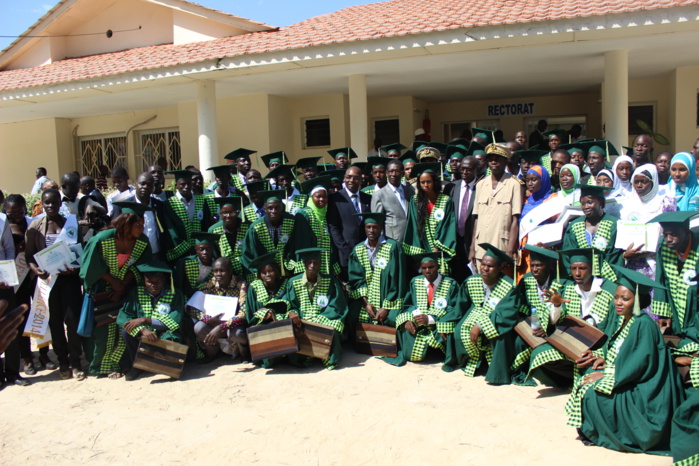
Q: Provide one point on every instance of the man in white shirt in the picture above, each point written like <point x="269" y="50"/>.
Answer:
<point x="120" y="180"/>
<point x="70" y="194"/>
<point x="393" y="200"/>
<point x="463" y="196"/>
<point x="40" y="179"/>
<point x="152" y="220"/>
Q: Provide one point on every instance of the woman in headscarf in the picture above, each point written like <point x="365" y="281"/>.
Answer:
<point x="684" y="184"/>
<point x="623" y="168"/>
<point x="568" y="178"/>
<point x="608" y="179"/>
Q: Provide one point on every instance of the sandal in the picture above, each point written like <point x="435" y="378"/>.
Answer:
<point x="65" y="373"/>
<point x="115" y="375"/>
<point x="79" y="375"/>
<point x="29" y="368"/>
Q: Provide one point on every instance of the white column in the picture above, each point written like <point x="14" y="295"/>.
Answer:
<point x="206" y="124"/>
<point x="359" y="139"/>
<point x="615" y="97"/>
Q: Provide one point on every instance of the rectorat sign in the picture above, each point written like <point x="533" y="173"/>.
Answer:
<point x="523" y="108"/>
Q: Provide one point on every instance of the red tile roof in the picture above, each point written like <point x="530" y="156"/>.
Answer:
<point x="362" y="22"/>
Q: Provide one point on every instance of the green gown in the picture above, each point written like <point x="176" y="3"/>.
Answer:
<point x="178" y="239"/>
<point x="496" y="317"/>
<point x="630" y="409"/>
<point x="100" y="257"/>
<point x="258" y="242"/>
<point x="231" y="246"/>
<point x="258" y="297"/>
<point x="312" y="232"/>
<point x="186" y="275"/>
<point x="328" y="306"/>
<point x="384" y="286"/>
<point x="440" y="231"/>
<point x="298" y="203"/>
<point x="603" y="241"/>
<point x="446" y="312"/>
<point x="545" y="357"/>
<point x="684" y="436"/>
<point x="168" y="309"/>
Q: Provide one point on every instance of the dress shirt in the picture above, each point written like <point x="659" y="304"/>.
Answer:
<point x="150" y="228"/>
<point x="189" y="207"/>
<point x="436" y="282"/>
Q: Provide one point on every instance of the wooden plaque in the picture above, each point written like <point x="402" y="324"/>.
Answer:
<point x="106" y="312"/>
<point x="524" y="330"/>
<point x="161" y="357"/>
<point x="272" y="340"/>
<point x="314" y="339"/>
<point x="376" y="340"/>
<point x="574" y="336"/>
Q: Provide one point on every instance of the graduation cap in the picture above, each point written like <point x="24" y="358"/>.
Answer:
<point x="495" y="253"/>
<point x="635" y="281"/>
<point x="235" y="201"/>
<point x="308" y="162"/>
<point x="483" y="134"/>
<point x="428" y="152"/>
<point x="378" y="161"/>
<point x="426" y="257"/>
<point x="264" y="259"/>
<point x="629" y="150"/>
<point x="363" y="166"/>
<point x="281" y="170"/>
<point x="269" y="196"/>
<point x="324" y="167"/>
<point x="679" y="218"/>
<point x="154" y="266"/>
<point x="324" y="182"/>
<point x="455" y="152"/>
<point x="461" y="143"/>
<point x="440" y="146"/>
<point x="585" y="255"/>
<point x="378" y="218"/>
<point x="592" y="190"/>
<point x="541" y="254"/>
<point x="395" y="147"/>
<point x="309" y="253"/>
<point x="338" y="175"/>
<point x="602" y="146"/>
<point x="476" y="148"/>
<point x="133" y="208"/>
<point x="498" y="149"/>
<point x="531" y="155"/>
<point x="560" y="134"/>
<point x="275" y="157"/>
<point x="417" y="145"/>
<point x="181" y="174"/>
<point x="202" y="237"/>
<point x="334" y="153"/>
<point x="409" y="156"/>
<point x="238" y="153"/>
<point x="256" y="186"/>
<point x="221" y="170"/>
<point x="426" y="167"/>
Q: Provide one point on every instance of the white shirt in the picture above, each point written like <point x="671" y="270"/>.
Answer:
<point x="436" y="282"/>
<point x="69" y="208"/>
<point x="350" y="194"/>
<point x="117" y="196"/>
<point x="150" y="228"/>
<point x="36" y="188"/>
<point x="399" y="192"/>
<point x="466" y="186"/>
<point x="586" y="301"/>
<point x="291" y="197"/>
<point x="189" y="207"/>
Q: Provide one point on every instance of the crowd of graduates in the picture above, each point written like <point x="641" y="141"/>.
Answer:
<point x="432" y="240"/>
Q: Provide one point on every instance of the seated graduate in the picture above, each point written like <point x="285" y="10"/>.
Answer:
<point x="317" y="298"/>
<point x="192" y="272"/>
<point x="595" y="229"/>
<point x="377" y="276"/>
<point x="484" y="332"/>
<point x="625" y="393"/>
<point x="586" y="296"/>
<point x="268" y="287"/>
<point x="430" y="312"/>
<point x="213" y="333"/>
<point x="152" y="310"/>
<point x="232" y="229"/>
<point x="275" y="232"/>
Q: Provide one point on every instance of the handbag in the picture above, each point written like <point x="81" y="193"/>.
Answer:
<point x="87" y="317"/>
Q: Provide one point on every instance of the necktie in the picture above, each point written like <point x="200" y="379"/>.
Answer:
<point x="276" y="236"/>
<point x="399" y="192"/>
<point x="355" y="203"/>
<point x="463" y="212"/>
<point x="430" y="294"/>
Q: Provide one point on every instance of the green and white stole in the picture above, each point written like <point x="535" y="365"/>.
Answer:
<point x="312" y="309"/>
<point x="373" y="276"/>
<point x="109" y="254"/>
<point x="600" y="242"/>
<point x="679" y="280"/>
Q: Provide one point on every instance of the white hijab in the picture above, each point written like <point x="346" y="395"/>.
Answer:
<point x="643" y="208"/>
<point x="625" y="187"/>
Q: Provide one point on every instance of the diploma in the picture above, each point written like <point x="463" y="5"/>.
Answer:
<point x="548" y="235"/>
<point x="8" y="273"/>
<point x="54" y="258"/>
<point x="213" y="305"/>
<point x="540" y="214"/>
<point x="637" y="233"/>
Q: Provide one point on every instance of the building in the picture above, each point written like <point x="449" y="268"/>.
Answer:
<point x="169" y="78"/>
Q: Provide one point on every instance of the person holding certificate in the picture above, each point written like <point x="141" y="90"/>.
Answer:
<point x="65" y="295"/>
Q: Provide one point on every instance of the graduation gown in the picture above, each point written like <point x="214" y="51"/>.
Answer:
<point x="258" y="241"/>
<point x="312" y="233"/>
<point x="168" y="309"/>
<point x="574" y="237"/>
<point x="684" y="435"/>
<point x="231" y="246"/>
<point x="384" y="286"/>
<point x="328" y="307"/>
<point x="496" y="317"/>
<point x="258" y="297"/>
<point x="178" y="227"/>
<point x="440" y="231"/>
<point x="630" y="409"/>
<point x="186" y="275"/>
<point x="444" y="309"/>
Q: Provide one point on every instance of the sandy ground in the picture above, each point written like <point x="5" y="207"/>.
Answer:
<point x="365" y="412"/>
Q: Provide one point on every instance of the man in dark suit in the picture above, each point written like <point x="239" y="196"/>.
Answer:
<point x="393" y="200"/>
<point x="463" y="195"/>
<point x="346" y="229"/>
<point x="145" y="184"/>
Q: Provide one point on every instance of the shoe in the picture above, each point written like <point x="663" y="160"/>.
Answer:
<point x="20" y="381"/>
<point x="46" y="362"/>
<point x="79" y="375"/>
<point x="29" y="368"/>
<point x="65" y="373"/>
<point x="133" y="374"/>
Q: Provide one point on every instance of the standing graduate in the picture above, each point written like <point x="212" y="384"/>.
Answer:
<point x="430" y="312"/>
<point x="625" y="395"/>
<point x="377" y="276"/>
<point x="319" y="299"/>
<point x="185" y="212"/>
<point x="377" y="165"/>
<point x="256" y="208"/>
<point x="232" y="229"/>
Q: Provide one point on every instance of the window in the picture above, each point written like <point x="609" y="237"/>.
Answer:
<point x="108" y="150"/>
<point x="317" y="132"/>
<point x="161" y="147"/>
<point x="451" y="131"/>
<point x="388" y="131"/>
<point x="640" y="115"/>
<point x="558" y="122"/>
